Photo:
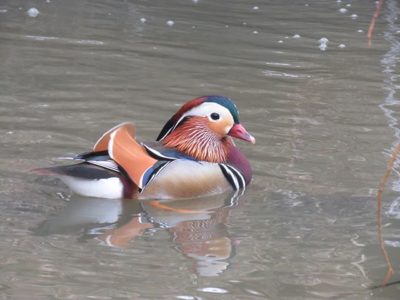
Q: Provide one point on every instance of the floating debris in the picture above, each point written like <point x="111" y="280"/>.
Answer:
<point x="323" y="43"/>
<point x="32" y="12"/>
<point x="343" y="10"/>
<point x="296" y="36"/>
<point x="3" y="11"/>
<point x="170" y="23"/>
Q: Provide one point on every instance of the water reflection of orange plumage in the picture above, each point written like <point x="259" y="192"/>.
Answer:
<point x="199" y="230"/>
<point x="197" y="226"/>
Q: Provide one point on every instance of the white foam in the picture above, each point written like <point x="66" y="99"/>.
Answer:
<point x="32" y="12"/>
<point x="323" y="43"/>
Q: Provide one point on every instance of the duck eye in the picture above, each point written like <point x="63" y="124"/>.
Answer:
<point x="214" y="116"/>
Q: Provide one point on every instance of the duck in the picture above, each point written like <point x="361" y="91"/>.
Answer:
<point x="193" y="156"/>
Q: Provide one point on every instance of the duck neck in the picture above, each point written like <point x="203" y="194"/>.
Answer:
<point x="198" y="141"/>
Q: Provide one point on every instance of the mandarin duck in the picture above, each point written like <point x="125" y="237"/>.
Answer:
<point x="193" y="156"/>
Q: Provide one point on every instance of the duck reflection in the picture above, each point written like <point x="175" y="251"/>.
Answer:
<point x="196" y="226"/>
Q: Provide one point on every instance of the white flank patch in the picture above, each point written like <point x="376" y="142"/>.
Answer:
<point x="110" y="188"/>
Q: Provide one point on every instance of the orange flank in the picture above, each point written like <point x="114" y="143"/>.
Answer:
<point x="129" y="154"/>
<point x="102" y="143"/>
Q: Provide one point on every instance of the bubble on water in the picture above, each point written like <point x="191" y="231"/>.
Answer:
<point x="47" y="1"/>
<point x="323" y="43"/>
<point x="255" y="32"/>
<point x="3" y="11"/>
<point x="244" y="23"/>
<point x="256" y="8"/>
<point x="360" y="31"/>
<point x="339" y="1"/>
<point x="296" y="36"/>
<point x="170" y="23"/>
<point x="32" y="12"/>
<point x="354" y="16"/>
<point x="348" y="5"/>
<point x="323" y="40"/>
<point x="253" y="292"/>
<point x="280" y="41"/>
<point x="143" y="20"/>
<point x="195" y="1"/>
<point x="343" y="10"/>
<point x="213" y="290"/>
<point x="306" y="4"/>
<point x="226" y="26"/>
<point x="342" y="46"/>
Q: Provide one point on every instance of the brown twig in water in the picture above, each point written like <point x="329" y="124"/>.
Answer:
<point x="379" y="195"/>
<point x="373" y="20"/>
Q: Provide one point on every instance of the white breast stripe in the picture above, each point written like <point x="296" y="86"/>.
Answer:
<point x="236" y="177"/>
<point x="231" y="175"/>
<point x="154" y="175"/>
<point x="239" y="176"/>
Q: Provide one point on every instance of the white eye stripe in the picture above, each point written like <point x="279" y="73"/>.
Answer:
<point x="206" y="109"/>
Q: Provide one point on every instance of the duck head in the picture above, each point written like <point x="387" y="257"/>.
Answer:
<point x="203" y="128"/>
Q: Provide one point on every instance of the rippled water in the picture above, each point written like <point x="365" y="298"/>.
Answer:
<point x="326" y="123"/>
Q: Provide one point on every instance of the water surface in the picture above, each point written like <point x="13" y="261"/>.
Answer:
<point x="326" y="123"/>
